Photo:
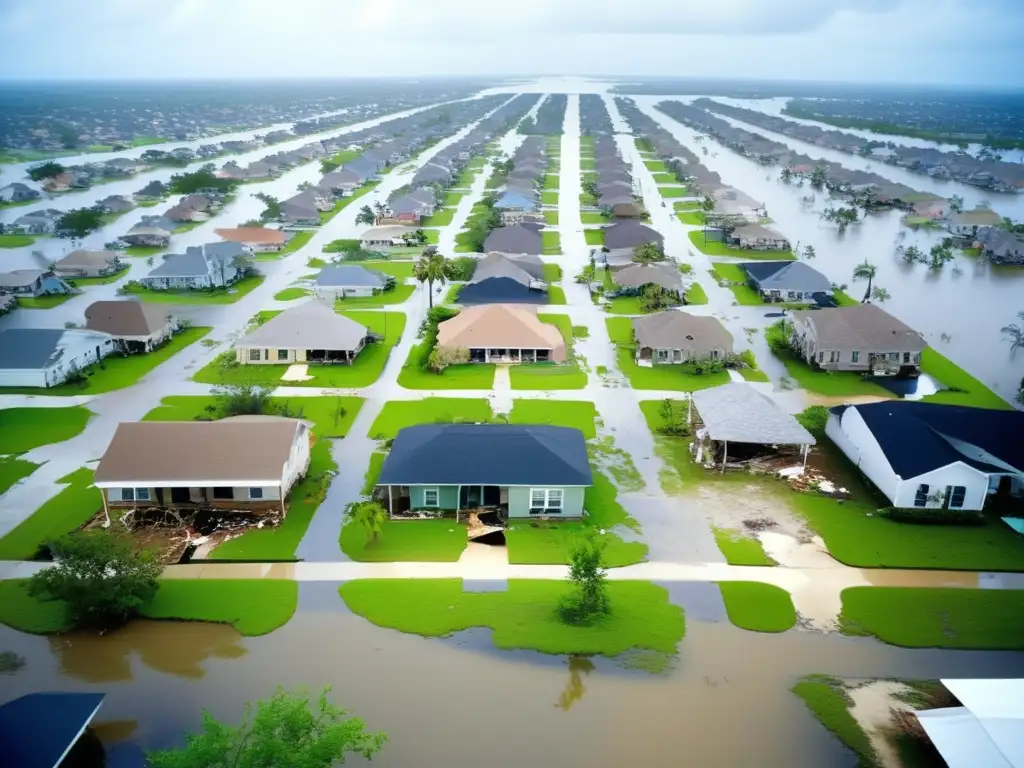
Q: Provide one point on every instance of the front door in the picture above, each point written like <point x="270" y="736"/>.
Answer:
<point x="492" y="495"/>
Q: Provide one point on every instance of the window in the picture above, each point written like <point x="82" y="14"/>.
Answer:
<point x="555" y="498"/>
<point x="833" y="356"/>
<point x="855" y="356"/>
<point x="254" y="355"/>
<point x="431" y="497"/>
<point x="662" y="355"/>
<point x="677" y="355"/>
<point x="142" y="494"/>
<point x="282" y="354"/>
<point x="956" y="495"/>
<point x="266" y="354"/>
<point x="127" y="494"/>
<point x="921" y="497"/>
<point x="537" y="498"/>
<point x="255" y="493"/>
<point x="906" y="357"/>
<point x="545" y="500"/>
<point x="223" y="493"/>
<point x="821" y="357"/>
<point x="894" y="357"/>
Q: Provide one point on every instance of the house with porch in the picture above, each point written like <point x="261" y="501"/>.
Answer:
<point x="32" y="283"/>
<point x="88" y="264"/>
<point x="240" y="464"/>
<point x="789" y="281"/>
<point x="137" y="326"/>
<point x="214" y="265"/>
<point x="633" y="279"/>
<point x="520" y="471"/>
<point x="502" y="333"/>
<point x="675" y="337"/>
<point x="862" y="338"/>
<point x="311" y="332"/>
<point x="755" y="237"/>
<point x="45" y="357"/>
<point x="345" y="280"/>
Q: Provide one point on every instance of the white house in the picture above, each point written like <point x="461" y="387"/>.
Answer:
<point x="932" y="456"/>
<point x="44" y="357"/>
<point x="339" y="282"/>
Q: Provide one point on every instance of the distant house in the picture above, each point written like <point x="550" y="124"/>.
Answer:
<point x="501" y="333"/>
<point x="300" y="211"/>
<point x="342" y="182"/>
<point x="36" y="222"/>
<point x="514" y="240"/>
<point x="500" y="280"/>
<point x="627" y="235"/>
<point x="214" y="265"/>
<point x="516" y="206"/>
<point x="931" y="456"/>
<point x="675" y="337"/>
<point x="154" y="190"/>
<point x="343" y="281"/>
<point x="255" y="239"/>
<point x="116" y="204"/>
<point x="409" y="208"/>
<point x="181" y="214"/>
<point x="521" y="471"/>
<point x="633" y="279"/>
<point x="863" y="338"/>
<point x="1000" y="246"/>
<point x="789" y="281"/>
<point x="245" y="464"/>
<point x="138" y="326"/>
<point x="45" y="357"/>
<point x="312" y="332"/>
<point x="384" y="238"/>
<point x="757" y="238"/>
<point x="88" y="264"/>
<point x="30" y="283"/>
<point x="151" y="231"/>
<point x="16" y="192"/>
<point x="967" y="223"/>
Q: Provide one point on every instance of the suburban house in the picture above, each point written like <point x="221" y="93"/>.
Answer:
<point x="155" y="190"/>
<point x="1000" y="246"/>
<point x="30" y="283"/>
<point x="244" y="464"/>
<point x="862" y="338"/>
<point x="501" y="280"/>
<point x="148" y="233"/>
<point x="675" y="337"/>
<point x="312" y="332"/>
<point x="633" y="279"/>
<point x="116" y="204"/>
<point x="181" y="214"/>
<point x="214" y="265"/>
<point x="16" y="192"/>
<point x="514" y="240"/>
<point x="44" y="357"/>
<point x="789" y="281"/>
<point x="967" y="223"/>
<point x="348" y="280"/>
<point x="933" y="456"/>
<point x="502" y="333"/>
<point x="516" y="206"/>
<point x="255" y="239"/>
<point x="627" y="210"/>
<point x="36" y="223"/>
<point x="88" y="264"/>
<point x="383" y="238"/>
<point x="627" y="235"/>
<point x="342" y="182"/>
<point x="521" y="471"/>
<point x="137" y="325"/>
<point x="755" y="237"/>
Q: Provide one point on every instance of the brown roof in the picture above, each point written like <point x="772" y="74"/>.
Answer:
<point x="664" y="275"/>
<point x="88" y="259"/>
<point x="253" y="235"/>
<point x="863" y="327"/>
<point x="126" y="318"/>
<point x="198" y="453"/>
<point x="681" y="330"/>
<point x="501" y="326"/>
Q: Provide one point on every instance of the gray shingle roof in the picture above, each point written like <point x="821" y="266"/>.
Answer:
<point x="786" y="276"/>
<point x="28" y="347"/>
<point x="740" y="414"/>
<point x="514" y="240"/>
<point x="311" y="325"/>
<point x="349" y="276"/>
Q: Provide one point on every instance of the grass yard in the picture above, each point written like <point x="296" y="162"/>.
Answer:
<point x="758" y="607"/>
<point x="292" y="244"/>
<point x="556" y="294"/>
<point x="551" y="241"/>
<point x="119" y="372"/>
<point x="29" y="614"/>
<point x="44" y="302"/>
<point x="551" y="182"/>
<point x="981" y="619"/>
<point x="398" y="295"/>
<point x="695" y="295"/>
<point x="291" y="294"/>
<point x="13" y="469"/>
<point x="398" y="414"/>
<point x="665" y="177"/>
<point x="63" y="513"/>
<point x="22" y="429"/>
<point x="442" y="218"/>
<point x="525" y="616"/>
<point x="670" y="192"/>
<point x="712" y="248"/>
<point x="666" y="377"/>
<point x="587" y="199"/>
<point x="693" y="218"/>
<point x="144" y="250"/>
<point x="594" y="236"/>
<point x="452" y="199"/>
<point x="738" y="547"/>
<point x="85" y="282"/>
<point x="251" y="606"/>
<point x="551" y="218"/>
<point x="559" y="413"/>
<point x="552" y="273"/>
<point x="405" y="541"/>
<point x="686" y="205"/>
<point x="828" y="700"/>
<point x="470" y="376"/>
<point x="230" y="295"/>
<point x="549" y="198"/>
<point x="964" y="389"/>
<point x="551" y="376"/>
<point x="745" y="295"/>
<point x="593" y="218"/>
<point x="16" y="241"/>
<point x="656" y="166"/>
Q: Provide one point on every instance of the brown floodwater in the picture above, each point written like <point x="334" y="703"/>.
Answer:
<point x="460" y="702"/>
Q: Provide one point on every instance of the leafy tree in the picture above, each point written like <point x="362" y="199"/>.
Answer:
<point x="380" y="209"/>
<point x="672" y="422"/>
<point x="939" y="254"/>
<point x="786" y="175"/>
<point x="708" y="204"/>
<point x="912" y="254"/>
<point x="196" y="181"/>
<point x="285" y="731"/>
<point x="590" y="187"/>
<point x="654" y="297"/>
<point x="78" y="222"/>
<point x="648" y="253"/>
<point x="432" y="267"/>
<point x="243" y="398"/>
<point x="370" y="516"/>
<point x="98" y="577"/>
<point x="462" y="268"/>
<point x="527" y="126"/>
<point x="809" y="252"/>
<point x="956" y="204"/>
<point x="366" y="216"/>
<point x="586" y="574"/>
<point x="272" y="207"/>
<point x="879" y="294"/>
<point x="45" y="170"/>
<point x="819" y="177"/>
<point x="1014" y="333"/>
<point x="865" y="271"/>
<point x="251" y="223"/>
<point x="586" y="275"/>
<point x="442" y="357"/>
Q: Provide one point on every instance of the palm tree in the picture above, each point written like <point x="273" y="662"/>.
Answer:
<point x="1014" y="333"/>
<point x="865" y="271"/>
<point x="366" y="216"/>
<point x="380" y="210"/>
<point x="809" y="252"/>
<point x="647" y="253"/>
<point x="432" y="267"/>
<point x="371" y="516"/>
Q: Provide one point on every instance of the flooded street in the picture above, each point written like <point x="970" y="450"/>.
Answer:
<point x="459" y="702"/>
<point x="959" y="310"/>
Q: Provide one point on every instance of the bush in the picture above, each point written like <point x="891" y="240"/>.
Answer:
<point x="923" y="516"/>
<point x="463" y="268"/>
<point x="441" y="357"/>
<point x="777" y="338"/>
<point x="590" y="600"/>
<point x="813" y="419"/>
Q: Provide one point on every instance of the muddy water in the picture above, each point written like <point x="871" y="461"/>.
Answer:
<point x="458" y="702"/>
<point x="968" y="301"/>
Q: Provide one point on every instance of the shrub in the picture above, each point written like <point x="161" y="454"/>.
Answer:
<point x="777" y="338"/>
<point x="441" y="357"/>
<point x="813" y="419"/>
<point x="463" y="268"/>
<point x="923" y="516"/>
<point x="590" y="600"/>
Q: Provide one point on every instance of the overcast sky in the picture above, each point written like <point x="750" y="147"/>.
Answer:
<point x="932" y="41"/>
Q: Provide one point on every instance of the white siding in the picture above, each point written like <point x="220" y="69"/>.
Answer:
<point x="853" y="437"/>
<point x="22" y="377"/>
<point x="975" y="481"/>
<point x="298" y="460"/>
<point x="339" y="292"/>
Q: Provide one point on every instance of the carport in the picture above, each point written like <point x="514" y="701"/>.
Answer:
<point x="738" y="413"/>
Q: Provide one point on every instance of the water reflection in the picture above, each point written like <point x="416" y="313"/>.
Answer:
<point x="579" y="667"/>
<point x="911" y="389"/>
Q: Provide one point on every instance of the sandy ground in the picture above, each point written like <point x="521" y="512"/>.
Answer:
<point x="871" y="707"/>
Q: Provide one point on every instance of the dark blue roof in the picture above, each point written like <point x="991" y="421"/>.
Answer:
<point x="487" y="454"/>
<point x="37" y="730"/>
<point x="913" y="435"/>
<point x="500" y="290"/>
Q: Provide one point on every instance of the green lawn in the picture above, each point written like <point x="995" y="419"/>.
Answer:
<point x="398" y="295"/>
<point x="85" y="282"/>
<point x="695" y="294"/>
<point x="63" y="513"/>
<point x="693" y="218"/>
<point x="625" y="305"/>
<point x="589" y="217"/>
<point x="964" y="389"/>
<point x="44" y="302"/>
<point x="738" y="547"/>
<point x="401" y="541"/>
<point x="442" y="218"/>
<point x="144" y="250"/>
<point x="551" y="241"/>
<point x="712" y="248"/>
<point x="551" y="181"/>
<point x="22" y="429"/>
<point x="296" y="241"/>
<point x="586" y="199"/>
<point x="828" y="700"/>
<point x="560" y="413"/>
<point x="552" y="273"/>
<point x="290" y="294"/>
<point x="13" y="469"/>
<point x="549" y="198"/>
<point x="758" y="607"/>
<point x="745" y="295"/>
<point x="469" y="376"/>
<point x="556" y="294"/>
<point x="29" y="614"/>
<point x="551" y="218"/>
<point x="525" y="616"/>
<point x="251" y="606"/>
<point x="656" y="166"/>
<point x="666" y="377"/>
<point x="16" y="241"/>
<point x="594" y="236"/>
<point x="452" y="199"/>
<point x="665" y="177"/>
<point x="220" y="296"/>
<point x="119" y="372"/>
<point x="670" y="192"/>
<point x="398" y="414"/>
<point x="551" y="376"/>
<point x="686" y="205"/>
<point x="345" y="202"/>
<point x="981" y="619"/>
